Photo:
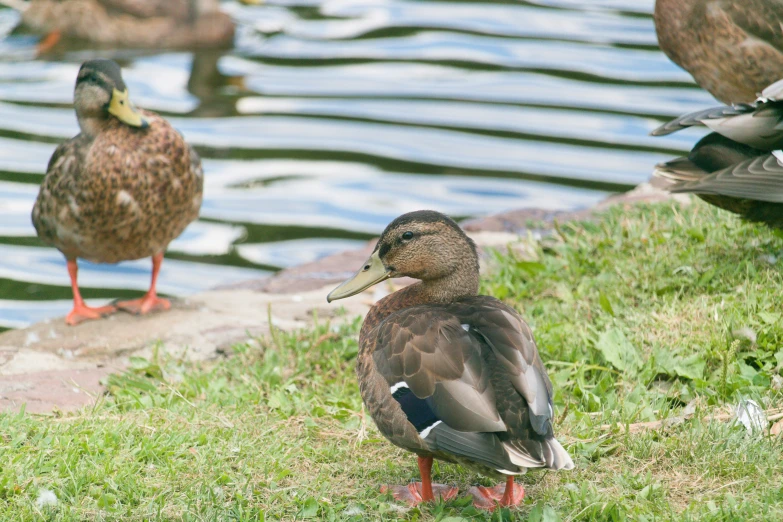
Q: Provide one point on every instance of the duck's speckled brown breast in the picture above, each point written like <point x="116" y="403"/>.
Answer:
<point x="125" y="195"/>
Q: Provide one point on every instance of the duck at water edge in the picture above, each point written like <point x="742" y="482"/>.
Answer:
<point x="122" y="189"/>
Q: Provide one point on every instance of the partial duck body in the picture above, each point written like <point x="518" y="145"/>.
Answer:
<point x="738" y="167"/>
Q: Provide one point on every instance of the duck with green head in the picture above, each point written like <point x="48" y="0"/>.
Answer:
<point x="447" y="373"/>
<point x="122" y="189"/>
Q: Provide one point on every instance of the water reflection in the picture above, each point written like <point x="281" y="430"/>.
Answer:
<point x="330" y="118"/>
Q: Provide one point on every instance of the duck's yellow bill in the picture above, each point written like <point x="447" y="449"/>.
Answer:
<point x="371" y="273"/>
<point x="121" y="107"/>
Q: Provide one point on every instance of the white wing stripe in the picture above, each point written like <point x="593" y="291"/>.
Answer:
<point x="397" y="386"/>
<point x="426" y="431"/>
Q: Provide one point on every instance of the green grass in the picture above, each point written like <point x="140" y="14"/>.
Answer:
<point x="637" y="314"/>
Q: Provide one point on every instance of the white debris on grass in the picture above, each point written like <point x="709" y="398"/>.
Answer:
<point x="46" y="498"/>
<point x="353" y="510"/>
<point x="751" y="415"/>
<point x="745" y="333"/>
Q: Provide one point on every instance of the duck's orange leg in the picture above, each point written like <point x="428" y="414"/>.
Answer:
<point x="48" y="42"/>
<point x="425" y="491"/>
<point x="81" y="312"/>
<point x="150" y="302"/>
<point x="506" y="495"/>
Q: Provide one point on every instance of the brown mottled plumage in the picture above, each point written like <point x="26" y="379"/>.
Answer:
<point x="447" y="373"/>
<point x="182" y="24"/>
<point x="733" y="49"/>
<point x="126" y="194"/>
<point x="739" y="167"/>
<point x="116" y="192"/>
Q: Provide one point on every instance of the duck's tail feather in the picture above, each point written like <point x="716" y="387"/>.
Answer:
<point x="510" y="457"/>
<point x="705" y="115"/>
<point x="482" y="448"/>
<point x="539" y="454"/>
<point x="679" y="169"/>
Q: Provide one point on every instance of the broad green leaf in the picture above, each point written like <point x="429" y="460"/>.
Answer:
<point x="691" y="367"/>
<point x="619" y="351"/>
<point x="531" y="267"/>
<point x="696" y="234"/>
<point x="779" y="357"/>
<point x="605" y="304"/>
<point x="550" y="515"/>
<point x="770" y="318"/>
<point x="707" y="276"/>
<point x="310" y="508"/>
<point x="542" y="513"/>
<point x="536" y="513"/>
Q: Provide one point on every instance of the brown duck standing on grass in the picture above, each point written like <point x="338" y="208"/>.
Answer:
<point x="447" y="373"/>
<point x="122" y="189"/>
<point x="733" y="48"/>
<point x="739" y="167"/>
<point x="151" y="24"/>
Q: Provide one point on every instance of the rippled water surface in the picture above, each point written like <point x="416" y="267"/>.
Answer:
<point x="330" y="118"/>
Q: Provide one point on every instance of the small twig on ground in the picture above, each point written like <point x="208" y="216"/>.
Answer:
<point x="673" y="421"/>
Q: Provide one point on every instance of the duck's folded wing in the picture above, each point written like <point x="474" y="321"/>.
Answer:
<point x="512" y="343"/>
<point x="426" y="353"/>
<point x="62" y="173"/>
<point x="759" y="179"/>
<point x="438" y="363"/>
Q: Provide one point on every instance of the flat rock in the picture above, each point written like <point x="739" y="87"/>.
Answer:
<point x="201" y="327"/>
<point x="44" y="391"/>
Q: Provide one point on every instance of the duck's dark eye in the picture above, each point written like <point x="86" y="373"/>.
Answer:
<point x="407" y="236"/>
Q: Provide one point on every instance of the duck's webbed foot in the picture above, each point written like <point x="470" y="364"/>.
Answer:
<point x="81" y="312"/>
<point x="505" y="495"/>
<point x="413" y="495"/>
<point x="143" y="305"/>
<point x="150" y="302"/>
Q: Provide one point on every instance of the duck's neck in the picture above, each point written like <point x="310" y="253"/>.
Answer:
<point x="457" y="285"/>
<point x="93" y="124"/>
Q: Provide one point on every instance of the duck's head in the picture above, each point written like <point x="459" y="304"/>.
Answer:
<point x="424" y="245"/>
<point x="101" y="94"/>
